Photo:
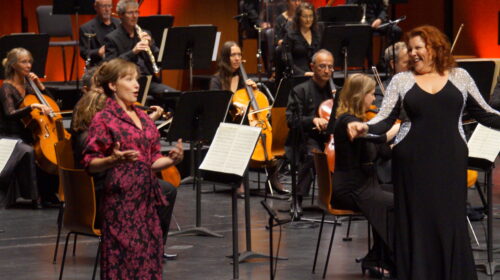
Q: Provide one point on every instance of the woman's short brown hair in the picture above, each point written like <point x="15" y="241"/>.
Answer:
<point x="111" y="71"/>
<point x="436" y="43"/>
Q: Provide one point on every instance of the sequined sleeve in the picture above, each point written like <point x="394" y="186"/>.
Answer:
<point x="475" y="103"/>
<point x="11" y="101"/>
<point x="391" y="104"/>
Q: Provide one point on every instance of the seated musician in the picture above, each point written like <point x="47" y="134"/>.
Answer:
<point x="85" y="109"/>
<point x="355" y="183"/>
<point x="376" y="14"/>
<point x="283" y="20"/>
<point x="302" y="40"/>
<point x="31" y="183"/>
<point x="303" y="120"/>
<point x="126" y="43"/>
<point x="228" y="77"/>
<point x="92" y="33"/>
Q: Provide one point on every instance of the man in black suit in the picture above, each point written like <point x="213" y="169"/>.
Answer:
<point x="126" y="43"/>
<point x="92" y="33"/>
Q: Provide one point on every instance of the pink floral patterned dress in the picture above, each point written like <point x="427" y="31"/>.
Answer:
<point x="131" y="234"/>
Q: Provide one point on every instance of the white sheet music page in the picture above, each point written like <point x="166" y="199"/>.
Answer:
<point x="231" y="149"/>
<point x="484" y="143"/>
<point x="6" y="148"/>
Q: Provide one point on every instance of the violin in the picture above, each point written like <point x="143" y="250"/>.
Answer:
<point x="325" y="111"/>
<point x="258" y="116"/>
<point x="45" y="132"/>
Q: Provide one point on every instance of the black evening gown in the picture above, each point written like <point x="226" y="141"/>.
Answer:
<point x="429" y="175"/>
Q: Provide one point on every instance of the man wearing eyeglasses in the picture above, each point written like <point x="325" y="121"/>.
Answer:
<point x="92" y="33"/>
<point x="307" y="128"/>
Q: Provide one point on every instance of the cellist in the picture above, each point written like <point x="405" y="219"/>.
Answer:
<point x="228" y="77"/>
<point x="301" y="115"/>
<point x="17" y="67"/>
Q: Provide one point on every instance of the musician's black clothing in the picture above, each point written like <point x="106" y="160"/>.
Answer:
<point x="216" y="82"/>
<point x="355" y="183"/>
<point x="298" y="52"/>
<point x="301" y="109"/>
<point x="120" y="44"/>
<point x="280" y="26"/>
<point x="100" y="29"/>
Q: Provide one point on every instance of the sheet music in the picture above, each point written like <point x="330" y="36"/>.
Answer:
<point x="162" y="45"/>
<point x="216" y="46"/>
<point x="231" y="149"/>
<point x="484" y="143"/>
<point x="6" y="148"/>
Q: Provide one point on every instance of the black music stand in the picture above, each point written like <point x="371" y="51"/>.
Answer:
<point x="348" y="43"/>
<point x="342" y="14"/>
<point x="37" y="44"/>
<point x="490" y="265"/>
<point x="74" y="7"/>
<point x="156" y="24"/>
<point x="198" y="115"/>
<point x="187" y="47"/>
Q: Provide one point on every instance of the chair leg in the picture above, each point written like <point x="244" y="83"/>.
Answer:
<point x="59" y="228"/>
<point x="74" y="245"/>
<point x="64" y="254"/>
<point x="73" y="59"/>
<point x="319" y="240"/>
<point x="347" y="238"/>
<point x="97" y="258"/>
<point x="330" y="248"/>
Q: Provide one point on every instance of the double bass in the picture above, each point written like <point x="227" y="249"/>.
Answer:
<point x="44" y="129"/>
<point x="258" y="116"/>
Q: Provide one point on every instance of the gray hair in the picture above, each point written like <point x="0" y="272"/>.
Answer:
<point x="398" y="47"/>
<point x="321" y="51"/>
<point x="121" y="7"/>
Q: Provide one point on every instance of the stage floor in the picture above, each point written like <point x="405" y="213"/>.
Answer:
<point x="27" y="245"/>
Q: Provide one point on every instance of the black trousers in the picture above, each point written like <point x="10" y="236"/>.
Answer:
<point x="19" y="177"/>
<point x="165" y="212"/>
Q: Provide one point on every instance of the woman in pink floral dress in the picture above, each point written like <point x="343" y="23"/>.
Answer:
<point x="124" y="142"/>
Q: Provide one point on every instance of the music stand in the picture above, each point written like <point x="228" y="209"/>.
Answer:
<point x="156" y="24"/>
<point x="187" y="47"/>
<point x="74" y="7"/>
<point x="198" y="115"/>
<point x="342" y="14"/>
<point x="349" y="43"/>
<point x="36" y="44"/>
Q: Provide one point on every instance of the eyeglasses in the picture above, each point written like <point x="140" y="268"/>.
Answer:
<point x="130" y="13"/>
<point x="324" y="66"/>
<point x="106" y="6"/>
<point x="307" y="17"/>
<point x="236" y="55"/>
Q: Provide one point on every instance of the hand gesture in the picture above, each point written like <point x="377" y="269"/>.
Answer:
<point x="356" y="129"/>
<point x="177" y="153"/>
<point x="140" y="46"/>
<point x="123" y="156"/>
<point x="45" y="110"/>
<point x="251" y="83"/>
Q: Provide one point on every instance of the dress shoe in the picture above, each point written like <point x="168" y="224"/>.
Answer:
<point x="169" y="257"/>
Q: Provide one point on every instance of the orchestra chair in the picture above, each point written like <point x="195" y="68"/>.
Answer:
<point x="58" y="26"/>
<point x="268" y="50"/>
<point x="80" y="208"/>
<point x="64" y="157"/>
<point x="324" y="202"/>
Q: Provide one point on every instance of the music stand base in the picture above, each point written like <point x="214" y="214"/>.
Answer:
<point x="262" y="193"/>
<point x="247" y="255"/>
<point x="196" y="231"/>
<point x="187" y="180"/>
<point x="488" y="267"/>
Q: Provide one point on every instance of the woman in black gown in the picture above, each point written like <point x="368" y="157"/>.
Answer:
<point x="355" y="183"/>
<point x="430" y="158"/>
<point x="302" y="40"/>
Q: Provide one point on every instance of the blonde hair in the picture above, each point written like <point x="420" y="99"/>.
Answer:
<point x="86" y="108"/>
<point x="111" y="71"/>
<point x="353" y="94"/>
<point x="11" y="59"/>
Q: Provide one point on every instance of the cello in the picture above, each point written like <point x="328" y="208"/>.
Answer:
<point x="325" y="111"/>
<point x="258" y="116"/>
<point x="46" y="128"/>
